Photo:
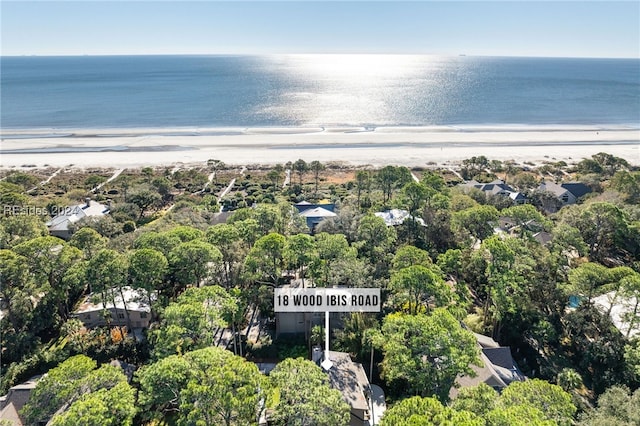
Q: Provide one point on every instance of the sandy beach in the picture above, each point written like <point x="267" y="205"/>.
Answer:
<point x="410" y="146"/>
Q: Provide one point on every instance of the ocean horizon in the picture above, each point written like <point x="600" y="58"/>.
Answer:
<point x="211" y="93"/>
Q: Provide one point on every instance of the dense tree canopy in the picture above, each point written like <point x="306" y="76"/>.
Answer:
<point x="416" y="411"/>
<point x="195" y="319"/>
<point x="330" y="249"/>
<point x="265" y="259"/>
<point x="207" y="386"/>
<point x="419" y="288"/>
<point x="226" y="237"/>
<point x="302" y="396"/>
<point x="513" y="284"/>
<point x="191" y="262"/>
<point x="105" y="407"/>
<point x="533" y="402"/>
<point x="423" y="354"/>
<point x="476" y="222"/>
<point x="549" y="398"/>
<point x="80" y="390"/>
<point x="617" y="406"/>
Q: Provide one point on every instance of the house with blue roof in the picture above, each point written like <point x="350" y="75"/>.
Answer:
<point x="315" y="213"/>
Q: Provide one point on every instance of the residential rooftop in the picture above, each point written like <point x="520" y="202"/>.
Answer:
<point x="134" y="302"/>
<point x="349" y="378"/>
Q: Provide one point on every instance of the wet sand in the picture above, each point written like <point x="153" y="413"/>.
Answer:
<point x="410" y="146"/>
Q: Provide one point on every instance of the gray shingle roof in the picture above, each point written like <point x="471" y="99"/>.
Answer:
<point x="578" y="189"/>
<point x="500" y="356"/>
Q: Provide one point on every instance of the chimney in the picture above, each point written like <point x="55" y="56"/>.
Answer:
<point x="88" y="201"/>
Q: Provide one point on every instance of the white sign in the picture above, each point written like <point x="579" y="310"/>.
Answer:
<point x="326" y="300"/>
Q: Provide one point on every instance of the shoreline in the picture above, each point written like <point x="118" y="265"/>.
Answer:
<point x="9" y="133"/>
<point x="402" y="145"/>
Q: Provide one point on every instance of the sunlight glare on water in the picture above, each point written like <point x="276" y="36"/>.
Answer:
<point x="315" y="90"/>
<point x="359" y="89"/>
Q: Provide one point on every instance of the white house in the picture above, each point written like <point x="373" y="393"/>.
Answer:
<point x="90" y="311"/>
<point x="622" y="312"/>
<point x="60" y="225"/>
<point x="396" y="217"/>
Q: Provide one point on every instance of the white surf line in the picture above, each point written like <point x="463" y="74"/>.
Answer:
<point x="115" y="175"/>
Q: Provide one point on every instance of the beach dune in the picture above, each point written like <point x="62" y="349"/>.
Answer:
<point x="410" y="146"/>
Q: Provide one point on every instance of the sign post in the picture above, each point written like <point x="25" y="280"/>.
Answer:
<point x="326" y="300"/>
<point x="326" y="363"/>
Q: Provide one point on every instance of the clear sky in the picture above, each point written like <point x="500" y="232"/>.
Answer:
<point x="507" y="28"/>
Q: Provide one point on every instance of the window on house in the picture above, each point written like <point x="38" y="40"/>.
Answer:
<point x="143" y="314"/>
<point x="121" y="316"/>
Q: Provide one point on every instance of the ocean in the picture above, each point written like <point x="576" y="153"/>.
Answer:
<point x="86" y="92"/>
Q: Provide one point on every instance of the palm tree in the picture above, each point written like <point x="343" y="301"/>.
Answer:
<point x="569" y="379"/>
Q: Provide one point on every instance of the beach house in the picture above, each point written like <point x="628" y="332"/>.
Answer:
<point x="315" y="213"/>
<point x="568" y="193"/>
<point x="395" y="217"/>
<point x="497" y="187"/>
<point x="351" y="380"/>
<point x="14" y="400"/>
<point x="61" y="225"/>
<point x="622" y="310"/>
<point x="93" y="313"/>
<point x="498" y="367"/>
